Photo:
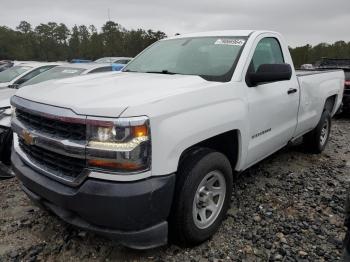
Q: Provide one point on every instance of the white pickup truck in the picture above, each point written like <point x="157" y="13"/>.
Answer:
<point x="151" y="152"/>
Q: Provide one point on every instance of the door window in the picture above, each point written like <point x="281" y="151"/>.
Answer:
<point x="268" y="51"/>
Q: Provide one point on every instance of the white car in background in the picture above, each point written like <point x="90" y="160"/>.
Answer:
<point x="307" y="67"/>
<point x="23" y="72"/>
<point x="114" y="60"/>
<point x="69" y="70"/>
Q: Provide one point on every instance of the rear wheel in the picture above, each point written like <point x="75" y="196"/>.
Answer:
<point x="317" y="139"/>
<point x="203" y="194"/>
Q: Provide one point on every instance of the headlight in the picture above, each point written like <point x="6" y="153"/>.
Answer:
<point x="121" y="145"/>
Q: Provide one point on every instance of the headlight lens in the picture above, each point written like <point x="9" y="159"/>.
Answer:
<point x="122" y="145"/>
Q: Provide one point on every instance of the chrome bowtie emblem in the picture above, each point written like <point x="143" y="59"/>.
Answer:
<point x="27" y="137"/>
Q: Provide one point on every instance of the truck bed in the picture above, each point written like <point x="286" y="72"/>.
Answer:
<point x="315" y="85"/>
<point x="313" y="72"/>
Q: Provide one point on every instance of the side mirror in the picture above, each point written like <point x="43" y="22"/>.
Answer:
<point x="268" y="73"/>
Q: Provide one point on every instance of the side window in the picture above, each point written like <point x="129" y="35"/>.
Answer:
<point x="268" y="51"/>
<point x="101" y="69"/>
<point x="32" y="74"/>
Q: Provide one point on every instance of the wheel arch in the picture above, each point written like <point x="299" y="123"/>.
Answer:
<point x="228" y="143"/>
<point x="330" y="103"/>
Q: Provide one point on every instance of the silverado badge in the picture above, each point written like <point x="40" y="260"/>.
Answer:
<point x="27" y="137"/>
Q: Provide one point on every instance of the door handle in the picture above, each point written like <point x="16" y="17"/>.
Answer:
<point x="292" y="90"/>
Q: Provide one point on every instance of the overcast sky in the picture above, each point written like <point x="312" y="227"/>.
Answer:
<point x="301" y="22"/>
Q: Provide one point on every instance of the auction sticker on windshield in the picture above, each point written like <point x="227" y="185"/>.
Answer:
<point x="228" y="41"/>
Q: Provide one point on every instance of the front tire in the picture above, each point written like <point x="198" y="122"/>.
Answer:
<point x="202" y="196"/>
<point x="317" y="139"/>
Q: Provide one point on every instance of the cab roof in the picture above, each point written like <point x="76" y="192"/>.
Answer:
<point x="215" y="33"/>
<point x="221" y="33"/>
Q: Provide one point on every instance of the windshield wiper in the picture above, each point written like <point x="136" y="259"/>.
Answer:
<point x="165" y="72"/>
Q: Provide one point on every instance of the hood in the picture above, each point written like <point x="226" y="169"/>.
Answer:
<point x="110" y="94"/>
<point x="5" y="95"/>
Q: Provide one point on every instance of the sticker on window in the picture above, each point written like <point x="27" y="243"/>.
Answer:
<point x="228" y="41"/>
<point x="69" y="71"/>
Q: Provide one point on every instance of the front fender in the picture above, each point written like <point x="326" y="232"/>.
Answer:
<point x="172" y="135"/>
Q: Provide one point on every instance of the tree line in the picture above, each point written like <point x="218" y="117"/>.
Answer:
<point x="55" y="41"/>
<point x="308" y="54"/>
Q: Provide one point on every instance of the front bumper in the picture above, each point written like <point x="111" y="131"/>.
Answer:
<point x="133" y="213"/>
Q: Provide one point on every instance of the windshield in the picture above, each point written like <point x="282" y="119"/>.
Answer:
<point x="11" y="73"/>
<point x="54" y="73"/>
<point x="213" y="58"/>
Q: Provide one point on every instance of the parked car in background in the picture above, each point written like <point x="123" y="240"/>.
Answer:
<point x="79" y="61"/>
<point x="58" y="72"/>
<point x="69" y="70"/>
<point x="339" y="63"/>
<point x="21" y="73"/>
<point x="118" y="63"/>
<point x="307" y="67"/>
<point x="5" y="64"/>
<point x="153" y="149"/>
<point x="114" y="60"/>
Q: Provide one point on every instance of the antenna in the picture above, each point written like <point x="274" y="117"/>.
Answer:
<point x="109" y="14"/>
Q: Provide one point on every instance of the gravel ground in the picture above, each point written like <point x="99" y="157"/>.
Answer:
<point x="287" y="208"/>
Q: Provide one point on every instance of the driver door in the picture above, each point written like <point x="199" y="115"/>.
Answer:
<point x="272" y="108"/>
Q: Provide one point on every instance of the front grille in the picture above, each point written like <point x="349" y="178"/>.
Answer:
<point x="62" y="166"/>
<point x="57" y="128"/>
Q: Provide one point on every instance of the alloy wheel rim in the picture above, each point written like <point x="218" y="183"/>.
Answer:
<point x="209" y="199"/>
<point x="324" y="132"/>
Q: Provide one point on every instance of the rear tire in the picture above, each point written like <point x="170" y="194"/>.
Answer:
<point x="202" y="196"/>
<point x="316" y="140"/>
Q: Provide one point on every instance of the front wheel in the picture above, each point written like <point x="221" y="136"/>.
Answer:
<point x="317" y="139"/>
<point x="203" y="194"/>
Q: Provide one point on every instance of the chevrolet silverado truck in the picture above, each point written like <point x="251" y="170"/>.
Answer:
<point x="150" y="153"/>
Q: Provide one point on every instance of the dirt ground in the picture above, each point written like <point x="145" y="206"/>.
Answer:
<point x="287" y="208"/>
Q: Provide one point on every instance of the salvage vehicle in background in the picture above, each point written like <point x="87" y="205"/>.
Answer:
<point x="151" y="152"/>
<point x="58" y="72"/>
<point x="80" y="61"/>
<point x="118" y="63"/>
<point x="69" y="70"/>
<point x="19" y="74"/>
<point x="114" y="60"/>
<point x="5" y="64"/>
<point x="307" y="67"/>
<point x="343" y="64"/>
